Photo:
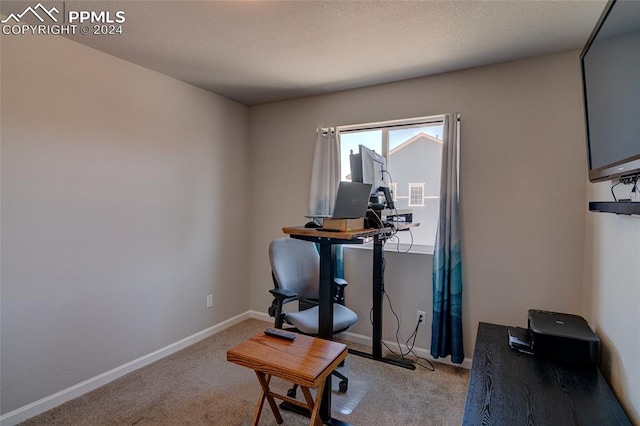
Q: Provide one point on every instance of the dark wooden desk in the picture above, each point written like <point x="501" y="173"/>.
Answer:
<point x="510" y="388"/>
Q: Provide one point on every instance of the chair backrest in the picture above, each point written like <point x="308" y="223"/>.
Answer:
<point x="295" y="265"/>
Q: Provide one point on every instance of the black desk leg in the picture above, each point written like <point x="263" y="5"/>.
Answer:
<point x="325" y="328"/>
<point x="378" y="294"/>
<point x="378" y="291"/>
<point x="325" y="331"/>
<point x="325" y="324"/>
<point x="325" y="317"/>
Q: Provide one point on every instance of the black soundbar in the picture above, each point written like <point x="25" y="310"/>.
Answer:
<point x="618" y="207"/>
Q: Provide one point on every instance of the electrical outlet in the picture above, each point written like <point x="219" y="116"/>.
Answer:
<point x="422" y="314"/>
<point x="209" y="300"/>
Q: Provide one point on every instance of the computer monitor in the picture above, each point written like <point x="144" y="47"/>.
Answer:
<point x="370" y="167"/>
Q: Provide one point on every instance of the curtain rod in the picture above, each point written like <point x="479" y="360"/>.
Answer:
<point x="385" y="127"/>
<point x="391" y="123"/>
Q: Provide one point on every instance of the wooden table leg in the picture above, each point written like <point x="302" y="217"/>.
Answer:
<point x="314" y="406"/>
<point x="265" y="393"/>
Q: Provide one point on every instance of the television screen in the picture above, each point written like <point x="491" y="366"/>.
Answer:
<point x="611" y="84"/>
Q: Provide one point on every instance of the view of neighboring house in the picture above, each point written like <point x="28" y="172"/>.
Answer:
<point x="415" y="168"/>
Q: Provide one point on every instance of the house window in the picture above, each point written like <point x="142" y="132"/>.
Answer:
<point x="394" y="190"/>
<point x="413" y="150"/>
<point x="416" y="194"/>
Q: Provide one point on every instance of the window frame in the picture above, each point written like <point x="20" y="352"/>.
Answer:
<point x="385" y="127"/>
<point x="416" y="185"/>
<point x="394" y="191"/>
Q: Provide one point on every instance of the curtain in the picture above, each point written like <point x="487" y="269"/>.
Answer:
<point x="446" y="328"/>
<point x="325" y="173"/>
<point x="325" y="177"/>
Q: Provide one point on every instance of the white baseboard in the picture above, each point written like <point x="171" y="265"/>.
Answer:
<point x="262" y="316"/>
<point x="421" y="352"/>
<point x="366" y="340"/>
<point x="38" y="407"/>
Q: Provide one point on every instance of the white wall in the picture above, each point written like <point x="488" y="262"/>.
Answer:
<point x="612" y="295"/>
<point x="123" y="204"/>
<point x="522" y="187"/>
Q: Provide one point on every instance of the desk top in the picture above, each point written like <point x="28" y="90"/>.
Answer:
<point x="344" y="235"/>
<point x="510" y="388"/>
<point x="305" y="361"/>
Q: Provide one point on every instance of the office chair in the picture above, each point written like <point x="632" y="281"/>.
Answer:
<point x="295" y="266"/>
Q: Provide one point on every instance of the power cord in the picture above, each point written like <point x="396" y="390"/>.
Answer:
<point x="613" y="193"/>
<point x="396" y="239"/>
<point x="378" y="220"/>
<point x="627" y="180"/>
<point x="393" y="237"/>
<point x="409" y="343"/>
<point x="631" y="180"/>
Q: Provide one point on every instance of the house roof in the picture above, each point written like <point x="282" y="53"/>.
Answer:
<point x="419" y="137"/>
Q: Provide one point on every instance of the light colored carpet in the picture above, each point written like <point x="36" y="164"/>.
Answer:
<point x="197" y="386"/>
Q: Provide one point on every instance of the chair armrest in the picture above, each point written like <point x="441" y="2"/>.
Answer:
<point x="341" y="283"/>
<point x="280" y="297"/>
<point x="282" y="293"/>
<point x="338" y="290"/>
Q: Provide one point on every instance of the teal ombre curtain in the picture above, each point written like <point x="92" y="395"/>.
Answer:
<point x="338" y="261"/>
<point x="325" y="177"/>
<point x="446" y="327"/>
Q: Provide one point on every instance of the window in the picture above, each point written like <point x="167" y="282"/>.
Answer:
<point x="394" y="190"/>
<point x="413" y="149"/>
<point x="416" y="194"/>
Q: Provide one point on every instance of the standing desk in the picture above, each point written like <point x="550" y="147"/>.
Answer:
<point x="326" y="240"/>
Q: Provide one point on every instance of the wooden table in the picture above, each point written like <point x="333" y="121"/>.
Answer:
<point x="510" y="388"/>
<point x="305" y="361"/>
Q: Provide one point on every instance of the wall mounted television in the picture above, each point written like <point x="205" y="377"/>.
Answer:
<point x="611" y="84"/>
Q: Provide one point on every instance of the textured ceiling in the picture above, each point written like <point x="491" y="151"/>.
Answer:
<point x="264" y="51"/>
